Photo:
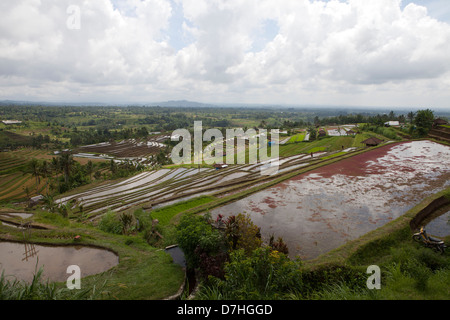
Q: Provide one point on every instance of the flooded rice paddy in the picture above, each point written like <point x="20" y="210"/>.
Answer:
<point x="320" y="210"/>
<point x="20" y="260"/>
<point x="169" y="185"/>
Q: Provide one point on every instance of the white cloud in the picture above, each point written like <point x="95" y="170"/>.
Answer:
<point x="348" y="52"/>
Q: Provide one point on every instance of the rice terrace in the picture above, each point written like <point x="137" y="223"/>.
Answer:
<point x="345" y="192"/>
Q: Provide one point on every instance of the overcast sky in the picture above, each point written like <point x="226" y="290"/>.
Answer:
<point x="305" y="52"/>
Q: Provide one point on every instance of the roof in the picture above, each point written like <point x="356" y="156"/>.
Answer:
<point x="11" y="121"/>
<point x="216" y="165"/>
<point x="440" y="121"/>
<point x="372" y="141"/>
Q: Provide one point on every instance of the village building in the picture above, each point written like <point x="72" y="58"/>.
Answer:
<point x="9" y="122"/>
<point x="439" y="122"/>
<point x="322" y="133"/>
<point x="372" y="142"/>
<point x="392" y="124"/>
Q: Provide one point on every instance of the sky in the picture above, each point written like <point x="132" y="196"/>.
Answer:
<point x="390" y="53"/>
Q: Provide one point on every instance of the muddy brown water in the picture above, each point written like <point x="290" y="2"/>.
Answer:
<point x="19" y="261"/>
<point x="321" y="210"/>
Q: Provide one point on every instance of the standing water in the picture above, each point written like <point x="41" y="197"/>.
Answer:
<point x="320" y="210"/>
<point x="23" y="260"/>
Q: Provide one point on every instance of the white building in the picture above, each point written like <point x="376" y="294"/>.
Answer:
<point x="11" y="122"/>
<point x="392" y="123"/>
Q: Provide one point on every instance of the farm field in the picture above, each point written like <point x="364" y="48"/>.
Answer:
<point x="320" y="210"/>
<point x="16" y="180"/>
<point x="321" y="196"/>
<point x="130" y="148"/>
<point x="16" y="183"/>
<point x="177" y="183"/>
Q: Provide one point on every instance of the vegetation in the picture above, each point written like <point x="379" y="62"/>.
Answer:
<point x="38" y="157"/>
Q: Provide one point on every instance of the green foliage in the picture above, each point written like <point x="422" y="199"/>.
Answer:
<point x="242" y="233"/>
<point x="110" y="223"/>
<point x="264" y="274"/>
<point x="424" y="121"/>
<point x="195" y="232"/>
<point x="126" y="220"/>
<point x="165" y="214"/>
<point x="382" y="130"/>
<point x="38" y="290"/>
<point x="379" y="248"/>
<point x="297" y="138"/>
<point x="324" y="276"/>
<point x="278" y="245"/>
<point x="312" y="133"/>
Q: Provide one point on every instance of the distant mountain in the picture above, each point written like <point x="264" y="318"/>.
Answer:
<point x="47" y="103"/>
<point x="170" y="103"/>
<point x="182" y="104"/>
<point x="445" y="112"/>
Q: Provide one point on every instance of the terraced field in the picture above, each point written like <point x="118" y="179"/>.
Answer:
<point x="165" y="186"/>
<point x="130" y="148"/>
<point x="14" y="179"/>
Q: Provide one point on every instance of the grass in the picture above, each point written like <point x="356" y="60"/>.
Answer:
<point x="143" y="272"/>
<point x="317" y="149"/>
<point x="328" y="144"/>
<point x="165" y="214"/>
<point x="333" y="155"/>
<point x="297" y="138"/>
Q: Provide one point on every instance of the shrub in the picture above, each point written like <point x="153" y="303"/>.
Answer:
<point x="242" y="233"/>
<point x="328" y="275"/>
<point x="195" y="232"/>
<point x="264" y="274"/>
<point x="110" y="223"/>
<point x="278" y="245"/>
<point x="126" y="220"/>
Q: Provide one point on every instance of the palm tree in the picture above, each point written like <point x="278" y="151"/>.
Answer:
<point x="66" y="162"/>
<point x="411" y="116"/>
<point x="45" y="172"/>
<point x="90" y="169"/>
<point x="35" y="172"/>
<point x="50" y="203"/>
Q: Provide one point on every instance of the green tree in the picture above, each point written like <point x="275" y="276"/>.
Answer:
<point x="45" y="172"/>
<point x="242" y="233"/>
<point x="194" y="233"/>
<point x="312" y="133"/>
<point x="34" y="169"/>
<point x="411" y="116"/>
<point x="90" y="169"/>
<point x="424" y="121"/>
<point x="66" y="162"/>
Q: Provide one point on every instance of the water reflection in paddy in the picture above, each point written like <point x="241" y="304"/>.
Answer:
<point x="321" y="210"/>
<point x="20" y="260"/>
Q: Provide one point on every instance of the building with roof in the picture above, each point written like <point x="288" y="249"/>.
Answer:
<point x="9" y="122"/>
<point x="439" y="122"/>
<point x="392" y="124"/>
<point x="372" y="142"/>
